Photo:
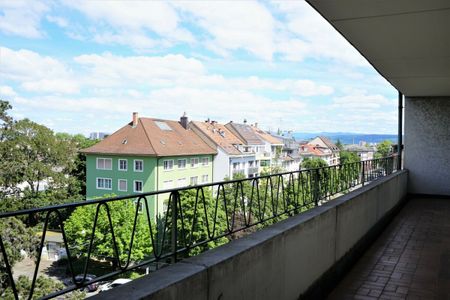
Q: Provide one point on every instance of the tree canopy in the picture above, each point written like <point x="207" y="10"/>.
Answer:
<point x="348" y="157"/>
<point x="313" y="163"/>
<point x="383" y="149"/>
<point x="80" y="224"/>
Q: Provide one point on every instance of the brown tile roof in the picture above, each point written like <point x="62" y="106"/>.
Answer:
<point x="147" y="138"/>
<point x="308" y="149"/>
<point x="245" y="133"/>
<point x="267" y="137"/>
<point x="219" y="135"/>
<point x="329" y="143"/>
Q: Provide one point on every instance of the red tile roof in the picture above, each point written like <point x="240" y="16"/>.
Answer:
<point x="152" y="137"/>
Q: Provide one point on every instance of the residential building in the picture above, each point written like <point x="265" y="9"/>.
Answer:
<point x="148" y="155"/>
<point x="364" y="152"/>
<point x="325" y="145"/>
<point x="290" y="156"/>
<point x="251" y="143"/>
<point x="310" y="151"/>
<point x="271" y="150"/>
<point x="231" y="159"/>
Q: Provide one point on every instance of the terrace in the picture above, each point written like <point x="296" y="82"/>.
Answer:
<point x="385" y="227"/>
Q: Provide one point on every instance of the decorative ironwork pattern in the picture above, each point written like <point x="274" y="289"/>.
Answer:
<point x="236" y="205"/>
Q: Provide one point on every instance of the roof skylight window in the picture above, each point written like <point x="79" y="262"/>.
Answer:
<point x="163" y="125"/>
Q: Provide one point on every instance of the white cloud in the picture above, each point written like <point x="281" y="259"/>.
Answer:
<point x="61" y="22"/>
<point x="58" y="86"/>
<point x="22" y="18"/>
<point x="6" y="91"/>
<point x="131" y="23"/>
<point x="234" y="25"/>
<point x="307" y="34"/>
<point x="35" y="72"/>
<point x="361" y="101"/>
<point x="112" y="70"/>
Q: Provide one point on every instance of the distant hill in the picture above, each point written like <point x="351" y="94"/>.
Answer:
<point x="347" y="137"/>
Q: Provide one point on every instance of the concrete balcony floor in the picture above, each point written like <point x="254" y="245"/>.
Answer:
<point x="410" y="260"/>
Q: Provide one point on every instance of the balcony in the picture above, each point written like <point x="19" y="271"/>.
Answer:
<point x="253" y="170"/>
<point x="231" y="212"/>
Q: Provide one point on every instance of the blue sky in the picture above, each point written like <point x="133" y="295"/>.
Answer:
<point x="79" y="66"/>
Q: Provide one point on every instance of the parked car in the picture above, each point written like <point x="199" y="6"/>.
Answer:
<point x="113" y="284"/>
<point x="91" y="287"/>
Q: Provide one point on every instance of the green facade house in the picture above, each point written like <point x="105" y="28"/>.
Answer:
<point x="148" y="155"/>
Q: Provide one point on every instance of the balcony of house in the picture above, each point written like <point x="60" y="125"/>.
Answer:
<point x="253" y="170"/>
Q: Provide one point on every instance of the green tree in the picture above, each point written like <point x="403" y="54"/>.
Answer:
<point x="78" y="172"/>
<point x="44" y="286"/>
<point x="79" y="228"/>
<point x="31" y="153"/>
<point x="198" y="221"/>
<point x="339" y="145"/>
<point x="384" y="149"/>
<point x="15" y="237"/>
<point x="348" y="157"/>
<point x="313" y="163"/>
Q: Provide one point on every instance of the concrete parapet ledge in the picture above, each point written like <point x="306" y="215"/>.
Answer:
<point x="282" y="261"/>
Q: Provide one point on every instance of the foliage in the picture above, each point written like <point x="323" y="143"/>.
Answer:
<point x="348" y="157"/>
<point x="31" y="153"/>
<point x="313" y="163"/>
<point x="339" y="145"/>
<point x="200" y="221"/>
<point x="383" y="149"/>
<point x="44" y="286"/>
<point x="15" y="237"/>
<point x="78" y="172"/>
<point x="79" y="228"/>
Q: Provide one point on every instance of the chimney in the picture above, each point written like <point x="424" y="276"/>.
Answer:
<point x="135" y="119"/>
<point x="184" y="121"/>
<point x="256" y="125"/>
<point x="245" y="121"/>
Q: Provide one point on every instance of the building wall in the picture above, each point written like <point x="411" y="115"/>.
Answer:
<point x="221" y="166"/>
<point x="165" y="176"/>
<point x="148" y="177"/>
<point x="427" y="145"/>
<point x="243" y="162"/>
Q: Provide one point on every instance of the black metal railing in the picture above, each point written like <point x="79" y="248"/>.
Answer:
<point x="194" y="218"/>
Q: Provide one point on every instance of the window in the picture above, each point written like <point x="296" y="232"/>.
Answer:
<point x="168" y="184"/>
<point x="181" y="164"/>
<point x="236" y="166"/>
<point x="122" y="185"/>
<point x="123" y="164"/>
<point x="104" y="164"/>
<point x="163" y="125"/>
<point x="104" y="183"/>
<point x="138" y="186"/>
<point x="168" y="165"/>
<point x="194" y="162"/>
<point x="194" y="180"/>
<point x="250" y="164"/>
<point x="205" y="178"/>
<point x="181" y="182"/>
<point x="205" y="161"/>
<point x="138" y="165"/>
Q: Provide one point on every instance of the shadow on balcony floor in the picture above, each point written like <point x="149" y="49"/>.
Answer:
<point x="410" y="260"/>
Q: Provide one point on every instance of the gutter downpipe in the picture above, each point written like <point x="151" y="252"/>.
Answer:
<point x="400" y="131"/>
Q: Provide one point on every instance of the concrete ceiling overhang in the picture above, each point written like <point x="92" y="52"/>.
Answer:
<point x="407" y="41"/>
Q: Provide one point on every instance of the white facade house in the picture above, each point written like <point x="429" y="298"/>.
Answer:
<point x="233" y="158"/>
<point x="327" y="147"/>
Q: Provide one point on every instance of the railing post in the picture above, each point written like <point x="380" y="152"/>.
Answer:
<point x="316" y="186"/>
<point x="363" y="175"/>
<point x="174" y="226"/>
